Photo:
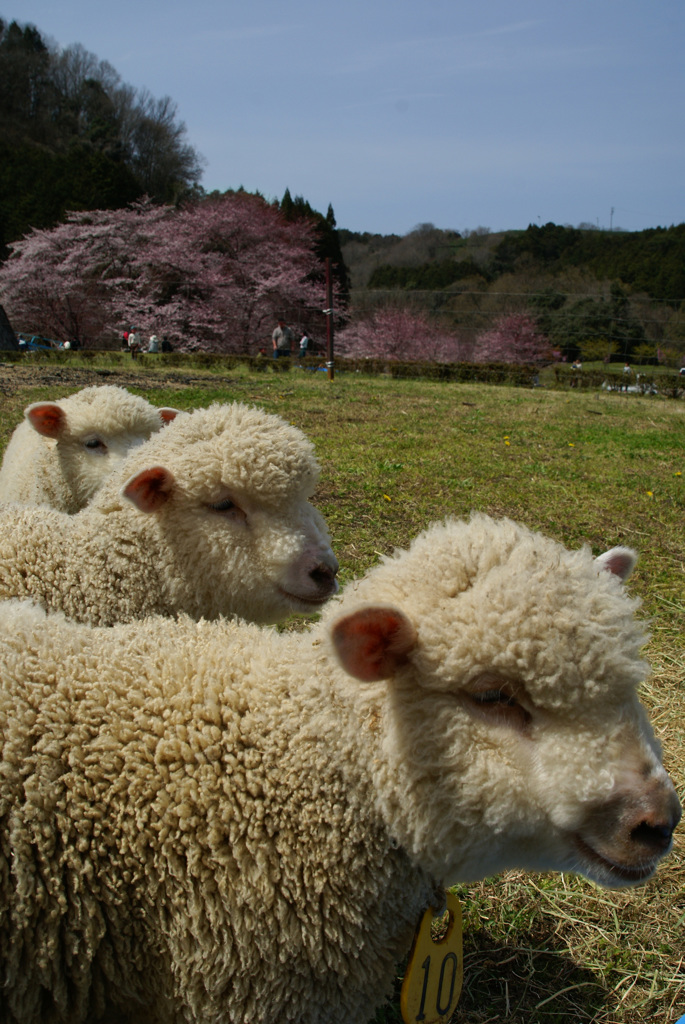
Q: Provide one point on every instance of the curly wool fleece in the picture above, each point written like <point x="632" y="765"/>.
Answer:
<point x="209" y="823"/>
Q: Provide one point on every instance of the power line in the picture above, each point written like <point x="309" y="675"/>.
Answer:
<point x="359" y="292"/>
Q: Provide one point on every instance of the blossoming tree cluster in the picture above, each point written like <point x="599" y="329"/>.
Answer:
<point x="514" y="338"/>
<point x="403" y="334"/>
<point x="397" y="333"/>
<point x="213" y="275"/>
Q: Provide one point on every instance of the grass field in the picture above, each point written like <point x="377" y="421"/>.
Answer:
<point x="596" y="468"/>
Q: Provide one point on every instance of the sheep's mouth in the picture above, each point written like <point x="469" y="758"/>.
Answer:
<point x="307" y="602"/>
<point x="627" y="873"/>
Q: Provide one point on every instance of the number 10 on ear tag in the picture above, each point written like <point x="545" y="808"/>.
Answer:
<point x="434" y="975"/>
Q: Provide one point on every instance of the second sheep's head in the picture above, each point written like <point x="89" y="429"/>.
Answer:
<point x="229" y="487"/>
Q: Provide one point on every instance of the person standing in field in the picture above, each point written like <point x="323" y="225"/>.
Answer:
<point x="134" y="342"/>
<point x="281" y="338"/>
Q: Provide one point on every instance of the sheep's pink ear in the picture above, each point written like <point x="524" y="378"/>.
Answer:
<point x="372" y="643"/>
<point x="167" y="414"/>
<point x="619" y="561"/>
<point x="150" y="489"/>
<point x="48" y="418"/>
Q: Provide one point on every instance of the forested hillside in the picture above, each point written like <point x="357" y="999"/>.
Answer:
<point x="590" y="292"/>
<point x="651" y="261"/>
<point x="73" y="136"/>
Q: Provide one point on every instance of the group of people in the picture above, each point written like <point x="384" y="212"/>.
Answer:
<point x="134" y="341"/>
<point x="282" y="339"/>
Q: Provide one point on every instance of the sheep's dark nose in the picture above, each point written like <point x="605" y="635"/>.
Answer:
<point x="656" y="835"/>
<point x="323" y="575"/>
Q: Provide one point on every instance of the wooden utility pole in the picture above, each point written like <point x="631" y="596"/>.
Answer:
<point x="329" y="320"/>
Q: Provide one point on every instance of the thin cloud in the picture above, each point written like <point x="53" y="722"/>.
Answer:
<point x="238" y="35"/>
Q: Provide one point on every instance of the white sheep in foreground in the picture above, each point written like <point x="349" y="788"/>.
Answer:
<point x="217" y="824"/>
<point x="62" y="452"/>
<point x="209" y="516"/>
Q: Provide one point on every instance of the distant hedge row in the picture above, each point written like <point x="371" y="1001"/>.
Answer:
<point x="484" y="373"/>
<point x="669" y="385"/>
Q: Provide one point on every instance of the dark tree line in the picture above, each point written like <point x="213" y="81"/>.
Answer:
<point x="651" y="261"/>
<point x="574" y="324"/>
<point x="440" y="274"/>
<point x="327" y="240"/>
<point x="73" y="136"/>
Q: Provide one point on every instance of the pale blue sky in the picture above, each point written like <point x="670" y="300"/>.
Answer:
<point x="463" y="113"/>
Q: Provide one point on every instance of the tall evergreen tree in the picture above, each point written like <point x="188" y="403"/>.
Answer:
<point x="328" y="242"/>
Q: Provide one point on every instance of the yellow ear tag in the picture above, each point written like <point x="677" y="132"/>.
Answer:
<point x="435" y="972"/>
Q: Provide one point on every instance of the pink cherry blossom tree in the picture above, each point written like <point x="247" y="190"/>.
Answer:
<point x="218" y="274"/>
<point x="514" y="339"/>
<point x="397" y="333"/>
<point x="213" y="275"/>
<point x="53" y="281"/>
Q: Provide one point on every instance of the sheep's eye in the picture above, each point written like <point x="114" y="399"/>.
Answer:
<point x="495" y="697"/>
<point x="224" y="506"/>
<point x="499" y="706"/>
<point x="228" y="508"/>
<point x="95" y="444"/>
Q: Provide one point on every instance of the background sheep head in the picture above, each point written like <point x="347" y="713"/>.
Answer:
<point x="228" y="489"/>
<point x="93" y="431"/>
